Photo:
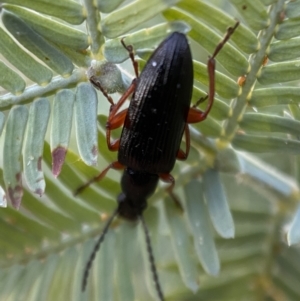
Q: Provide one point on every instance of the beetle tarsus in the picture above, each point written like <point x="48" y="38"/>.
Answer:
<point x="230" y="31"/>
<point x="114" y="165"/>
<point x="129" y="48"/>
<point x="200" y="100"/>
<point x="98" y="86"/>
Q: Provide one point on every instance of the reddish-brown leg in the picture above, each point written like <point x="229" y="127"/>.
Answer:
<point x="115" y="108"/>
<point x="168" y="178"/>
<point x="98" y="86"/>
<point x="114" y="165"/>
<point x="129" y="48"/>
<point x="182" y="155"/>
<point x="195" y="115"/>
<point x="116" y="119"/>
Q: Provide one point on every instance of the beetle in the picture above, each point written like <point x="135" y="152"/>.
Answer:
<point x="153" y="126"/>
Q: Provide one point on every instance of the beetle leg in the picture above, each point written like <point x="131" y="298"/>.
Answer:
<point x="195" y="115"/>
<point x="230" y="31"/>
<point x="98" y="86"/>
<point x="182" y="155"/>
<point x="115" y="119"/>
<point x="114" y="165"/>
<point x="168" y="178"/>
<point x="129" y="48"/>
<point x="114" y="108"/>
<point x="114" y="145"/>
<point x="200" y="100"/>
<point x="115" y="123"/>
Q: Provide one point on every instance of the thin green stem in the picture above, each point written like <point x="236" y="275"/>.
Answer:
<point x="256" y="64"/>
<point x="93" y="21"/>
<point x="34" y="91"/>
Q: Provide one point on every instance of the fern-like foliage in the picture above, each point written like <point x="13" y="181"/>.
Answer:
<point x="239" y="186"/>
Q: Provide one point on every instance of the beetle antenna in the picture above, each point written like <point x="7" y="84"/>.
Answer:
<point x="95" y="250"/>
<point x="151" y="259"/>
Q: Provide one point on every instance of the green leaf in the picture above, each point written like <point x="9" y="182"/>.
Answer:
<point x="2" y="119"/>
<point x="85" y="120"/>
<point x="115" y="52"/>
<point x="244" y="38"/>
<point x="181" y="245"/>
<point x="131" y="15"/>
<point x="3" y="201"/>
<point x="230" y="58"/>
<point x="279" y="72"/>
<point x="103" y="272"/>
<point x="217" y="204"/>
<point x="33" y="145"/>
<point x="225" y="86"/>
<point x="51" y="29"/>
<point x="71" y="12"/>
<point x="37" y="45"/>
<point x="107" y="6"/>
<point x="284" y="50"/>
<point x="288" y="29"/>
<point x="200" y="227"/>
<point x="275" y="96"/>
<point x="293" y="234"/>
<point x="14" y="134"/>
<point x="264" y="123"/>
<point x="267" y="175"/>
<point x="209" y="127"/>
<point x="254" y="13"/>
<point x="61" y="128"/>
<point x="268" y="2"/>
<point x="10" y="80"/>
<point x="126" y="242"/>
<point x="220" y="109"/>
<point x="292" y="9"/>
<point x="266" y="144"/>
<point x="23" y="61"/>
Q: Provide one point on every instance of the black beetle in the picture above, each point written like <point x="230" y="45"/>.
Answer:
<point x="153" y="125"/>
